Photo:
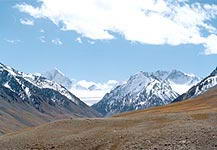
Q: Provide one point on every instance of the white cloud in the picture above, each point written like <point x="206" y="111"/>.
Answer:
<point x="12" y="41"/>
<point x="78" y="40"/>
<point x="211" y="45"/>
<point x="91" y="42"/>
<point x="91" y="92"/>
<point x="145" y="21"/>
<point x="42" y="39"/>
<point x="57" y="41"/>
<point x="27" y="22"/>
<point x="42" y="31"/>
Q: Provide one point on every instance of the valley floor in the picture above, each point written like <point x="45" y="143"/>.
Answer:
<point x="188" y="125"/>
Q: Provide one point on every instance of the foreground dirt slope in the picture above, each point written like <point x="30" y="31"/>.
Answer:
<point x="188" y="125"/>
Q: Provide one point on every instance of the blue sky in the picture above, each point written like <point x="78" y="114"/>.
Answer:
<point x="21" y="47"/>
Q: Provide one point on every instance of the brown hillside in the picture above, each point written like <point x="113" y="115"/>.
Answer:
<point x="188" y="125"/>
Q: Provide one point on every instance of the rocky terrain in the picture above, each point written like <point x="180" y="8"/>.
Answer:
<point x="187" y="125"/>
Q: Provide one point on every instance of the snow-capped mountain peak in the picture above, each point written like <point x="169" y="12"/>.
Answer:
<point x="181" y="78"/>
<point x="38" y="92"/>
<point x="144" y="90"/>
<point x="181" y="82"/>
<point x="8" y="69"/>
<point x="10" y="74"/>
<point x="162" y="75"/>
<point x="57" y="76"/>
<point x="138" y="81"/>
<point x="88" y="91"/>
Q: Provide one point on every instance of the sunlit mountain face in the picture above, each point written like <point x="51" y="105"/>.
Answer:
<point x="145" y="90"/>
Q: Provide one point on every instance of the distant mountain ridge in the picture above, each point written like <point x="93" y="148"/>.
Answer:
<point x="36" y="96"/>
<point x="57" y="76"/>
<point x="88" y="91"/>
<point x="203" y="86"/>
<point x="180" y="82"/>
<point x="144" y="90"/>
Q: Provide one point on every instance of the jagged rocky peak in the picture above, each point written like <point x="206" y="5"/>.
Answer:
<point x="57" y="76"/>
<point x="8" y="69"/>
<point x="142" y="90"/>
<point x="162" y="75"/>
<point x="176" y="73"/>
<point x="19" y="81"/>
<point x="142" y="76"/>
<point x="54" y="72"/>
<point x="137" y="82"/>
<point x="182" y="78"/>
<point x="139" y="76"/>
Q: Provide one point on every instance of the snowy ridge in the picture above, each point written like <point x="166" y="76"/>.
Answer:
<point x="144" y="90"/>
<point x="39" y="94"/>
<point x="45" y="83"/>
<point x="57" y="76"/>
<point x="36" y="80"/>
<point x="88" y="91"/>
<point x="181" y="82"/>
<point x="207" y="83"/>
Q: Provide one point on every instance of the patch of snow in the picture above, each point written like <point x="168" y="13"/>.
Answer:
<point x="180" y="88"/>
<point x="27" y="91"/>
<point x="7" y="85"/>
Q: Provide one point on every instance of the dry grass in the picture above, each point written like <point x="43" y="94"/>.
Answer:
<point x="200" y="116"/>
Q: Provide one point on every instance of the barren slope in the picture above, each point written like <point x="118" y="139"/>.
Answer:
<point x="186" y="125"/>
<point x="15" y="116"/>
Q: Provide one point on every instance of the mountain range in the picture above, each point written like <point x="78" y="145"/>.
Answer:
<point x="27" y="100"/>
<point x="144" y="90"/>
<point x="32" y="99"/>
<point x="57" y="76"/>
<point x="88" y="91"/>
<point x="187" y="125"/>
